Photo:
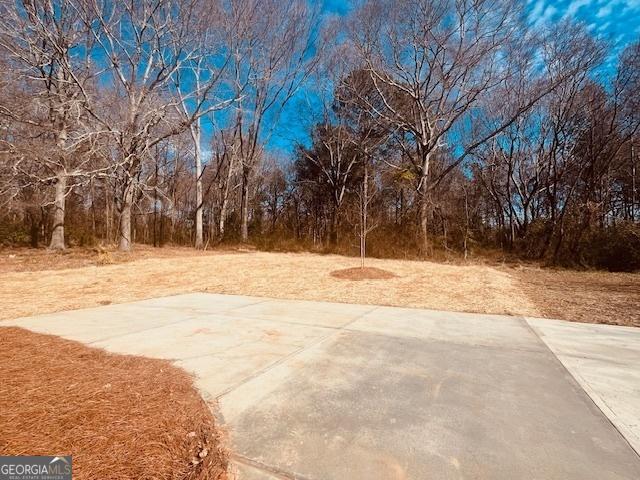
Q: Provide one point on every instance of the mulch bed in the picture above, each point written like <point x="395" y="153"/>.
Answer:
<point x="366" y="273"/>
<point x="119" y="416"/>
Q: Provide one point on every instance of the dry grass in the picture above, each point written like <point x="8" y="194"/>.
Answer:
<point x="590" y="297"/>
<point x="517" y="290"/>
<point x="37" y="259"/>
<point x="121" y="417"/>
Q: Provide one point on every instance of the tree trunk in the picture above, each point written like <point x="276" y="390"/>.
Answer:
<point x="161" y="231"/>
<point x="93" y="211"/>
<point x="225" y="199"/>
<point x="425" y="244"/>
<point x="333" y="226"/>
<point x="155" y="211"/>
<point x="423" y="189"/>
<point x="125" y="221"/>
<point x="34" y="231"/>
<point x="466" y="222"/>
<point x="244" y="227"/>
<point x="633" y="185"/>
<point x="57" y="234"/>
<point x="107" y="214"/>
<point x="195" y="131"/>
<point x="223" y="216"/>
<point x="363" y="226"/>
<point x="212" y="224"/>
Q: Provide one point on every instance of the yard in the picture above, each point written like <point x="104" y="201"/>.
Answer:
<point x="110" y="402"/>
<point x="80" y="278"/>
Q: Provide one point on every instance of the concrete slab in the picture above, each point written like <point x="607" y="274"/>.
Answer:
<point x="362" y="406"/>
<point x="244" y="471"/>
<point x="101" y="323"/>
<point x="324" y="314"/>
<point x="212" y="334"/>
<point x="605" y="360"/>
<point x="200" y="303"/>
<point x="313" y="390"/>
<point x="465" y="328"/>
<point x="221" y="351"/>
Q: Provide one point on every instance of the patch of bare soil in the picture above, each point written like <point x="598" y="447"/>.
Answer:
<point x="589" y="296"/>
<point x="120" y="417"/>
<point x="366" y="273"/>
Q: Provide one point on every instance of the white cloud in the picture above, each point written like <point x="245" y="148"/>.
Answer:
<point x="548" y="14"/>
<point x="603" y="27"/>
<point x="576" y="5"/>
<point x="613" y="19"/>
<point x="537" y="10"/>
<point x="605" y="11"/>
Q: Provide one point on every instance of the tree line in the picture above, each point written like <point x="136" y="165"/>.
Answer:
<point x="421" y="126"/>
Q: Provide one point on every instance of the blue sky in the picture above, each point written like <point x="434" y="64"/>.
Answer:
<point x="617" y="21"/>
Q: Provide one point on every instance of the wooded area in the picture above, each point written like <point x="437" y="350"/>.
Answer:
<point x="421" y="126"/>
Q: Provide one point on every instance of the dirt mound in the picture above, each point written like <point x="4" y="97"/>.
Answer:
<point x="120" y="416"/>
<point x="367" y="273"/>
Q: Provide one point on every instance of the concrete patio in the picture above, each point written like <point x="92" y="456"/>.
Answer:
<point x="312" y="390"/>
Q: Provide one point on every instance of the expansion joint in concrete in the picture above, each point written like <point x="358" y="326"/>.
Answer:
<point x="300" y="350"/>
<point x="584" y="388"/>
<point x="269" y="469"/>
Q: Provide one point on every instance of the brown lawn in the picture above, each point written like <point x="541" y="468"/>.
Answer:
<point x="39" y="281"/>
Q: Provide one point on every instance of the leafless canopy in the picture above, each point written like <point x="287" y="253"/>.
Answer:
<point x="416" y="127"/>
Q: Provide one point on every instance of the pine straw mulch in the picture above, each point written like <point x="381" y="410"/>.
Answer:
<point x="120" y="416"/>
<point x="366" y="273"/>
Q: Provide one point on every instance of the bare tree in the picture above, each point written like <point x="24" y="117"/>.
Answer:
<point x="368" y="133"/>
<point x="44" y="43"/>
<point x="365" y="197"/>
<point x="196" y="84"/>
<point x="335" y="157"/>
<point x="271" y="43"/>
<point x="433" y="64"/>
<point x="443" y="124"/>
<point x="525" y="163"/>
<point x="223" y="169"/>
<point x="144" y="47"/>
